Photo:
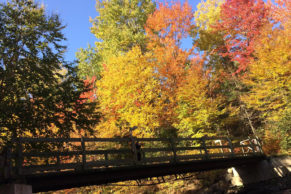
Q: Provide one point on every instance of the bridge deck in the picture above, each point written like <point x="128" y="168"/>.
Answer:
<point x="70" y="179"/>
<point x="52" y="164"/>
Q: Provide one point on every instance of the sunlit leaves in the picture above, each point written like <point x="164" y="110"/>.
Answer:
<point x="118" y="27"/>
<point x="235" y="77"/>
<point x="196" y="110"/>
<point x="207" y="14"/>
<point x="270" y="75"/>
<point x="38" y="88"/>
<point x="241" y="22"/>
<point x="129" y="95"/>
<point x="165" y="29"/>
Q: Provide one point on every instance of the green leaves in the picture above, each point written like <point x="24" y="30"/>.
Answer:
<point x="118" y="28"/>
<point x="35" y="91"/>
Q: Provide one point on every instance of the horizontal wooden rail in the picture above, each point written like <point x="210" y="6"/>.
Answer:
<point x="91" y="153"/>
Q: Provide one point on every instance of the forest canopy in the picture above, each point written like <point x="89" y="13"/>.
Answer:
<point x="234" y="79"/>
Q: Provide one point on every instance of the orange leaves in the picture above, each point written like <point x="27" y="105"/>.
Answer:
<point x="171" y="22"/>
<point x="281" y="11"/>
<point x="271" y="143"/>
<point x="165" y="29"/>
<point x="163" y="85"/>
<point x="91" y="94"/>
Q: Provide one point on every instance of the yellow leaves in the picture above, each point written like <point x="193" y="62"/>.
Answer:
<point x="270" y="73"/>
<point x="129" y="94"/>
<point x="208" y="13"/>
<point x="195" y="110"/>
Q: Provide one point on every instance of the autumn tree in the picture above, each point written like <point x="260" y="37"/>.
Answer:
<point x="34" y="93"/>
<point x="118" y="28"/>
<point x="197" y="111"/>
<point x="129" y="94"/>
<point x="165" y="29"/>
<point x="269" y="76"/>
<point x="219" y="85"/>
<point x="241" y="22"/>
<point x="206" y="16"/>
<point x="270" y="73"/>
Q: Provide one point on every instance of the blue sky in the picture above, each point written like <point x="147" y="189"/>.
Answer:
<point x="75" y="15"/>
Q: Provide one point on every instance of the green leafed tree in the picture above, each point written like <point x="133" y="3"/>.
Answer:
<point x="38" y="89"/>
<point x="118" y="28"/>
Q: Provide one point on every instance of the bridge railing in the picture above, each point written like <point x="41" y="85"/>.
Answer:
<point x="41" y="155"/>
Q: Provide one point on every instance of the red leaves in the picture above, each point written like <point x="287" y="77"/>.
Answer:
<point x="91" y="94"/>
<point x="241" y="22"/>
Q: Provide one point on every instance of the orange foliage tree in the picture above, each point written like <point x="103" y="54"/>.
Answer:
<point x="165" y="29"/>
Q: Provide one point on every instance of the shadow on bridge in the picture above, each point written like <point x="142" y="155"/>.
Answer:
<point x="54" y="164"/>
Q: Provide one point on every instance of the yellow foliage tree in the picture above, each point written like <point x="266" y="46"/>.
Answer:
<point x="129" y="95"/>
<point x="207" y="14"/>
<point x="196" y="110"/>
<point x="270" y="74"/>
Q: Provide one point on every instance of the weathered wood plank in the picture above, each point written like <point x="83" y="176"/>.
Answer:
<point x="50" y="167"/>
<point x="74" y="153"/>
<point x="107" y="139"/>
<point x="187" y="157"/>
<point x="189" y="148"/>
<point x="164" y="149"/>
<point x="48" y="140"/>
<point x="158" y="159"/>
<point x="216" y="147"/>
<point x="113" y="163"/>
<point x="109" y="151"/>
<point x="152" y="139"/>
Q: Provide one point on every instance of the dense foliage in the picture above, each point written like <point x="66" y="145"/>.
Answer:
<point x="235" y="79"/>
<point x="39" y="91"/>
<point x="119" y="27"/>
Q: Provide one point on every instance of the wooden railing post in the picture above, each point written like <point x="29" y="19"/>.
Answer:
<point x="19" y="157"/>
<point x="230" y="146"/>
<point x="5" y="164"/>
<point x="252" y="145"/>
<point x="259" y="145"/>
<point x="83" y="154"/>
<point x="106" y="159"/>
<point x="133" y="149"/>
<point x="205" y="148"/>
<point x="173" y="146"/>
<point x="58" y="162"/>
<point x="8" y="164"/>
<point x="143" y="157"/>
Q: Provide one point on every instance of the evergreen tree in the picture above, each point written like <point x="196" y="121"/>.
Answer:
<point x="38" y="89"/>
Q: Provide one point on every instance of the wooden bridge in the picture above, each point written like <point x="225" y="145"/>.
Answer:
<point x="60" y="163"/>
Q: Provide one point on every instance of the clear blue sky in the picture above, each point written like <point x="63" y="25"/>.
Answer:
<point x="75" y="15"/>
